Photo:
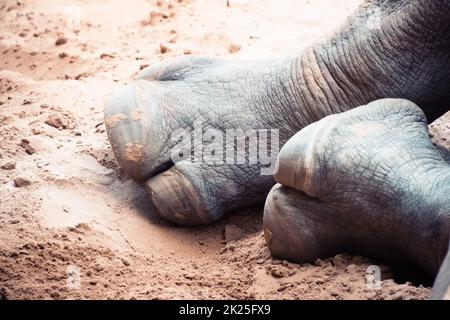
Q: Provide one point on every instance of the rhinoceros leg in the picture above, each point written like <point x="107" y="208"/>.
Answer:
<point x="368" y="181"/>
<point x="403" y="53"/>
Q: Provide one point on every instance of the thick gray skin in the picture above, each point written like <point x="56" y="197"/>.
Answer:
<point x="368" y="181"/>
<point x="408" y="56"/>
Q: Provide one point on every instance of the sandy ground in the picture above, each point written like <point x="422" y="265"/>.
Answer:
<point x="71" y="225"/>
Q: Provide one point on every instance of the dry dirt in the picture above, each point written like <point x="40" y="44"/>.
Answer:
<point x="65" y="206"/>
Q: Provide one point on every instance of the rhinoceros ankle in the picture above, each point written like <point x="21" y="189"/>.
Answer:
<point x="376" y="54"/>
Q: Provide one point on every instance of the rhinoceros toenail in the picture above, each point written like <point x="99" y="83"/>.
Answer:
<point x="175" y="198"/>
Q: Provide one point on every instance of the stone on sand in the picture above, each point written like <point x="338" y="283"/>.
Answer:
<point x="10" y="165"/>
<point x="20" y="182"/>
<point x="60" y="41"/>
<point x="54" y="120"/>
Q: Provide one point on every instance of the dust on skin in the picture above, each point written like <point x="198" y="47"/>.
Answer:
<point x="133" y="153"/>
<point x="136" y="114"/>
<point x="112" y="121"/>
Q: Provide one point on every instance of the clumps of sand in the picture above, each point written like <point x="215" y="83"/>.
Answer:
<point x="340" y="277"/>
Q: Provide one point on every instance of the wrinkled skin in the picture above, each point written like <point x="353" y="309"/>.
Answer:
<point x="226" y="95"/>
<point x="406" y="56"/>
<point x="368" y="181"/>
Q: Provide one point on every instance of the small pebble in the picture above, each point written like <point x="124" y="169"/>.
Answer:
<point x="277" y="273"/>
<point x="20" y="182"/>
<point x="60" y="41"/>
<point x="10" y="165"/>
<point x="55" y="121"/>
<point x="234" y="47"/>
<point x="163" y="48"/>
